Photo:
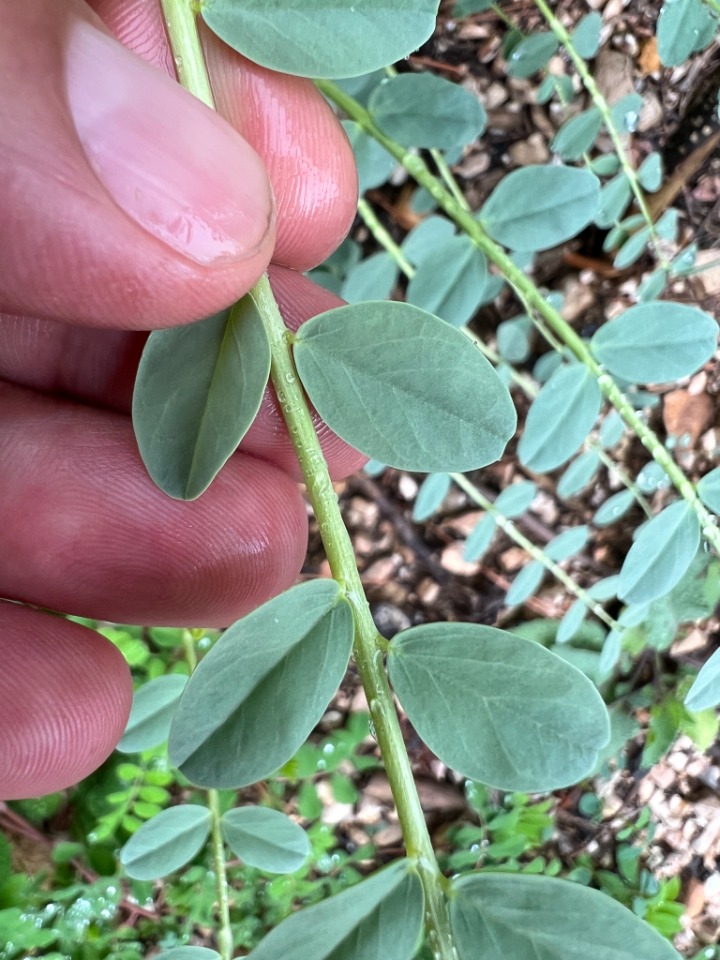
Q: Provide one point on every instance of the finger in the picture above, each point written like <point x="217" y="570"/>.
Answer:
<point x="85" y="531"/>
<point x="65" y="695"/>
<point x="305" y="150"/>
<point x="130" y="204"/>
<point x="99" y="367"/>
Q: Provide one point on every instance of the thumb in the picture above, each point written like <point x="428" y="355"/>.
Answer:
<point x="129" y="203"/>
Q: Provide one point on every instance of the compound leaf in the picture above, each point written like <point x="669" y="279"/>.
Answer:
<point x="560" y="418"/>
<point x="421" y="110"/>
<point x="167" y="842"/>
<point x="656" y="342"/>
<point x="404" y="387"/>
<point x="317" y="38"/>
<point x="152" y="711"/>
<point x="380" y="917"/>
<point x="498" y="916"/>
<point x="661" y="554"/>
<point x="498" y="708"/>
<point x="265" y="839"/>
<point x="197" y="392"/>
<point x="539" y="207"/>
<point x="255" y="697"/>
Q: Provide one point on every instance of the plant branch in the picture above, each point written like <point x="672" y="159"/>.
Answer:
<point x="368" y="645"/>
<point x="224" y="935"/>
<point x="528" y="292"/>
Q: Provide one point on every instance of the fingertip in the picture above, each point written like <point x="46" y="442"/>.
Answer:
<point x="65" y="696"/>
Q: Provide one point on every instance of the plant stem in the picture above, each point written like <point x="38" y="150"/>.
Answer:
<point x="368" y="645"/>
<point x="528" y="292"/>
<point x="224" y="935"/>
<point x="606" y="113"/>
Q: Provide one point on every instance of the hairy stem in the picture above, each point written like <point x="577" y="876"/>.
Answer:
<point x="527" y="291"/>
<point x="368" y="645"/>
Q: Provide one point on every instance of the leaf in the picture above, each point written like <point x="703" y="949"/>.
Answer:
<point x="614" y="507"/>
<point x="656" y="342"/>
<point x="626" y="112"/>
<point x="450" y="281"/>
<point x="531" y="53"/>
<point x="586" y="35"/>
<point x="255" y="697"/>
<point x="515" y="499"/>
<point x="611" y="430"/>
<point x="498" y="708"/>
<point x="560" y="418"/>
<point x="661" y="554"/>
<point x="372" y="279"/>
<point x="524" y="917"/>
<point x="579" y="474"/>
<point x="317" y="38"/>
<point x="265" y="839"/>
<point x="428" y="235"/>
<point x="705" y="691"/>
<point x="709" y="490"/>
<point x="567" y="543"/>
<point x="422" y="110"/>
<point x="431" y="494"/>
<point x="404" y="387"/>
<point x="513" y="339"/>
<point x="188" y="953"/>
<point x="653" y="285"/>
<point x="378" y="918"/>
<point x="152" y="711"/>
<point x="374" y="164"/>
<point x="681" y="25"/>
<point x="650" y="172"/>
<point x="479" y="539"/>
<point x="571" y="622"/>
<point x="632" y="249"/>
<point x="539" y="207"/>
<point x="614" y="198"/>
<point x="197" y="392"/>
<point x="577" y="134"/>
<point x="167" y="842"/>
<point x="525" y="583"/>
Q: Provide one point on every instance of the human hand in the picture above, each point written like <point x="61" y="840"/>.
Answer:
<point x="126" y="206"/>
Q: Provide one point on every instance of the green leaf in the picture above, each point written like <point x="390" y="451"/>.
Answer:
<point x="422" y="110"/>
<point x="571" y="622"/>
<point x="431" y="494"/>
<point x="314" y="38"/>
<point x="479" y="539"/>
<point x="513" y="339"/>
<point x="426" y="237"/>
<point x="705" y="691"/>
<point x="166" y="842"/>
<point x="404" y="387"/>
<point x="152" y="712"/>
<point x="265" y="839"/>
<point x="372" y="279"/>
<point x="197" y="392"/>
<point x="632" y="249"/>
<point x="650" y="172"/>
<point x="577" y="134"/>
<point x="614" y="198"/>
<point x="614" y="507"/>
<point x="380" y="917"/>
<point x="560" y="418"/>
<point x="567" y="543"/>
<point x="525" y="583"/>
<point x="524" y="917"/>
<point x="255" y="697"/>
<point x="539" y="207"/>
<point x="661" y="554"/>
<point x="532" y="53"/>
<point x="626" y="112"/>
<point x="464" y="8"/>
<point x="374" y="164"/>
<point x="586" y="35"/>
<point x="579" y="474"/>
<point x="515" y="499"/>
<point x="188" y="953"/>
<point x="450" y="281"/>
<point x="709" y="490"/>
<point x="656" y="342"/>
<point x="653" y="285"/>
<point x="498" y="708"/>
<point x="681" y="25"/>
<point x="611" y="430"/>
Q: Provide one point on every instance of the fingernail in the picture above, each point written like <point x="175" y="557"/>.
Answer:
<point x="169" y="162"/>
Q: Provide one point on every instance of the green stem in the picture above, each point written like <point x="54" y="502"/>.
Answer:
<point x="714" y="5"/>
<point x="368" y="645"/>
<point x="528" y="292"/>
<point x="537" y="553"/>
<point x="605" y="111"/>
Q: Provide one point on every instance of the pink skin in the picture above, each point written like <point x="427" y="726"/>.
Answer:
<point x="127" y="206"/>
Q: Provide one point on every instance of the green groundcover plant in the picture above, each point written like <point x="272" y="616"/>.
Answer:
<point x="408" y="385"/>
